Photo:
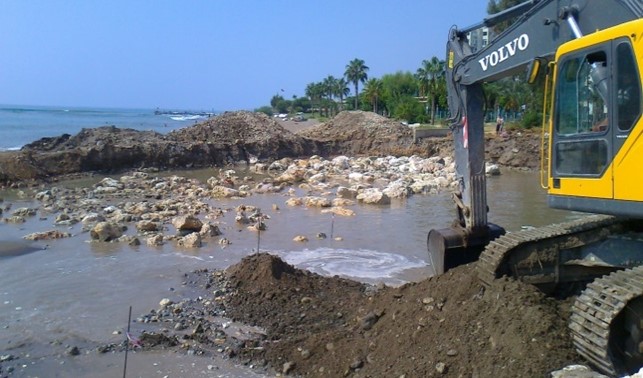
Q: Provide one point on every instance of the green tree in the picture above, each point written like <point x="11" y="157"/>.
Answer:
<point x="330" y="89"/>
<point x="495" y="6"/>
<point x="356" y="72"/>
<point x="267" y="110"/>
<point x="283" y="106"/>
<point x="409" y="109"/>
<point x="301" y="104"/>
<point x="397" y="87"/>
<point x="513" y="93"/>
<point x="341" y="91"/>
<point x="315" y="92"/>
<point x="429" y="76"/>
<point x="275" y="100"/>
<point x="373" y="91"/>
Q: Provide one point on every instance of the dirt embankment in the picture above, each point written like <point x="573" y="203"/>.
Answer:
<point x="445" y="326"/>
<point x="237" y="137"/>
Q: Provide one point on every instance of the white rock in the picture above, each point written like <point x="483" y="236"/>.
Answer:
<point x="373" y="196"/>
<point x="155" y="240"/>
<point x="341" y="162"/>
<point x="492" y="169"/>
<point x="191" y="240"/>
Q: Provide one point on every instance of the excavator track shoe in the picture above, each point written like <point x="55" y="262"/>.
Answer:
<point x="607" y="322"/>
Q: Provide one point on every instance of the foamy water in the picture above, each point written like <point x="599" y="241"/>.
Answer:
<point x="363" y="265"/>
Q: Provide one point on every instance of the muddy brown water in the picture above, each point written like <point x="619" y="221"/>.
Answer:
<point x="70" y="292"/>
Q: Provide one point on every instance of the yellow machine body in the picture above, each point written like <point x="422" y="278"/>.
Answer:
<point x="595" y="139"/>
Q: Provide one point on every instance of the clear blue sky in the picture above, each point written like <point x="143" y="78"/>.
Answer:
<point x="217" y="54"/>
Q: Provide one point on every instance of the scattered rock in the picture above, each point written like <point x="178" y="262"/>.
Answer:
<point x="192" y="240"/>
<point x="73" y="351"/>
<point x="106" y="231"/>
<point x="155" y="241"/>
<point x="187" y="223"/>
<point x="47" y="235"/>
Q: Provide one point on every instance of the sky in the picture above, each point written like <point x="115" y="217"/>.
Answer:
<point x="209" y="54"/>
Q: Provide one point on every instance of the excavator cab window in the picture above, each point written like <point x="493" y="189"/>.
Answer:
<point x="582" y="94"/>
<point x="628" y="87"/>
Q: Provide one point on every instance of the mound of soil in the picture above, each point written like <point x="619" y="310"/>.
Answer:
<point x="356" y="133"/>
<point x="447" y="326"/>
<point x="238" y="137"/>
<point x="517" y="149"/>
<point x="231" y="138"/>
<point x="234" y="127"/>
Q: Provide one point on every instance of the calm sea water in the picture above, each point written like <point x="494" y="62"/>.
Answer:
<point x="20" y="125"/>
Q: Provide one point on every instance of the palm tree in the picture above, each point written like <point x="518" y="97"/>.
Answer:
<point x="330" y="89"/>
<point x="315" y="92"/>
<point x="422" y="76"/>
<point x="356" y="73"/>
<point x="341" y="91"/>
<point x="373" y="91"/>
<point x="431" y="72"/>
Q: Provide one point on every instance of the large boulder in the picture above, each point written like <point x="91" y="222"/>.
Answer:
<point x="373" y="196"/>
<point x="191" y="240"/>
<point x="187" y="223"/>
<point x="106" y="231"/>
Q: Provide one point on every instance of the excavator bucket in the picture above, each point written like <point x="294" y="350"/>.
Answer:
<point x="455" y="246"/>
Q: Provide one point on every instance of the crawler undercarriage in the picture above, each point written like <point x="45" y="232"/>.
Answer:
<point x="607" y="317"/>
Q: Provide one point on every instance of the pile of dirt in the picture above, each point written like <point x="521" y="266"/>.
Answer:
<point x="444" y="326"/>
<point x="235" y="127"/>
<point x="239" y="137"/>
<point x="356" y="133"/>
<point x="517" y="149"/>
<point x="231" y="138"/>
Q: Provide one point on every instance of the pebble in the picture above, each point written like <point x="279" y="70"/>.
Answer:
<point x="7" y="357"/>
<point x="356" y="364"/>
<point x="165" y="302"/>
<point x="287" y="367"/>
<point x="441" y="367"/>
<point x="73" y="351"/>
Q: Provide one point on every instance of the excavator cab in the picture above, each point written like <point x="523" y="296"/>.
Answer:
<point x="594" y="153"/>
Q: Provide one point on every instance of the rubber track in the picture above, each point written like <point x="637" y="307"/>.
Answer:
<point x="598" y="305"/>
<point x="596" y="308"/>
<point x="493" y="256"/>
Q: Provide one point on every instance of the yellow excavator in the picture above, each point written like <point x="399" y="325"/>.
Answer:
<point x="589" y="55"/>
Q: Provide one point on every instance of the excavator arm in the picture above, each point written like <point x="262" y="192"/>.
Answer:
<point x="538" y="29"/>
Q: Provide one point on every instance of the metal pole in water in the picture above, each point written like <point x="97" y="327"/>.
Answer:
<point x="258" y="229"/>
<point x="332" y="224"/>
<point x="258" y="236"/>
<point x="129" y="321"/>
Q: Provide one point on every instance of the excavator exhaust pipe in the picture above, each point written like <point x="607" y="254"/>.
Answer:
<point x="455" y="246"/>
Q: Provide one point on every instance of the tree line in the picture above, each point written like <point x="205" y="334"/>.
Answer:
<point x="414" y="97"/>
<point x="402" y="95"/>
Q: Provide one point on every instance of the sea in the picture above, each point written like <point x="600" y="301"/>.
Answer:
<point x="20" y="125"/>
